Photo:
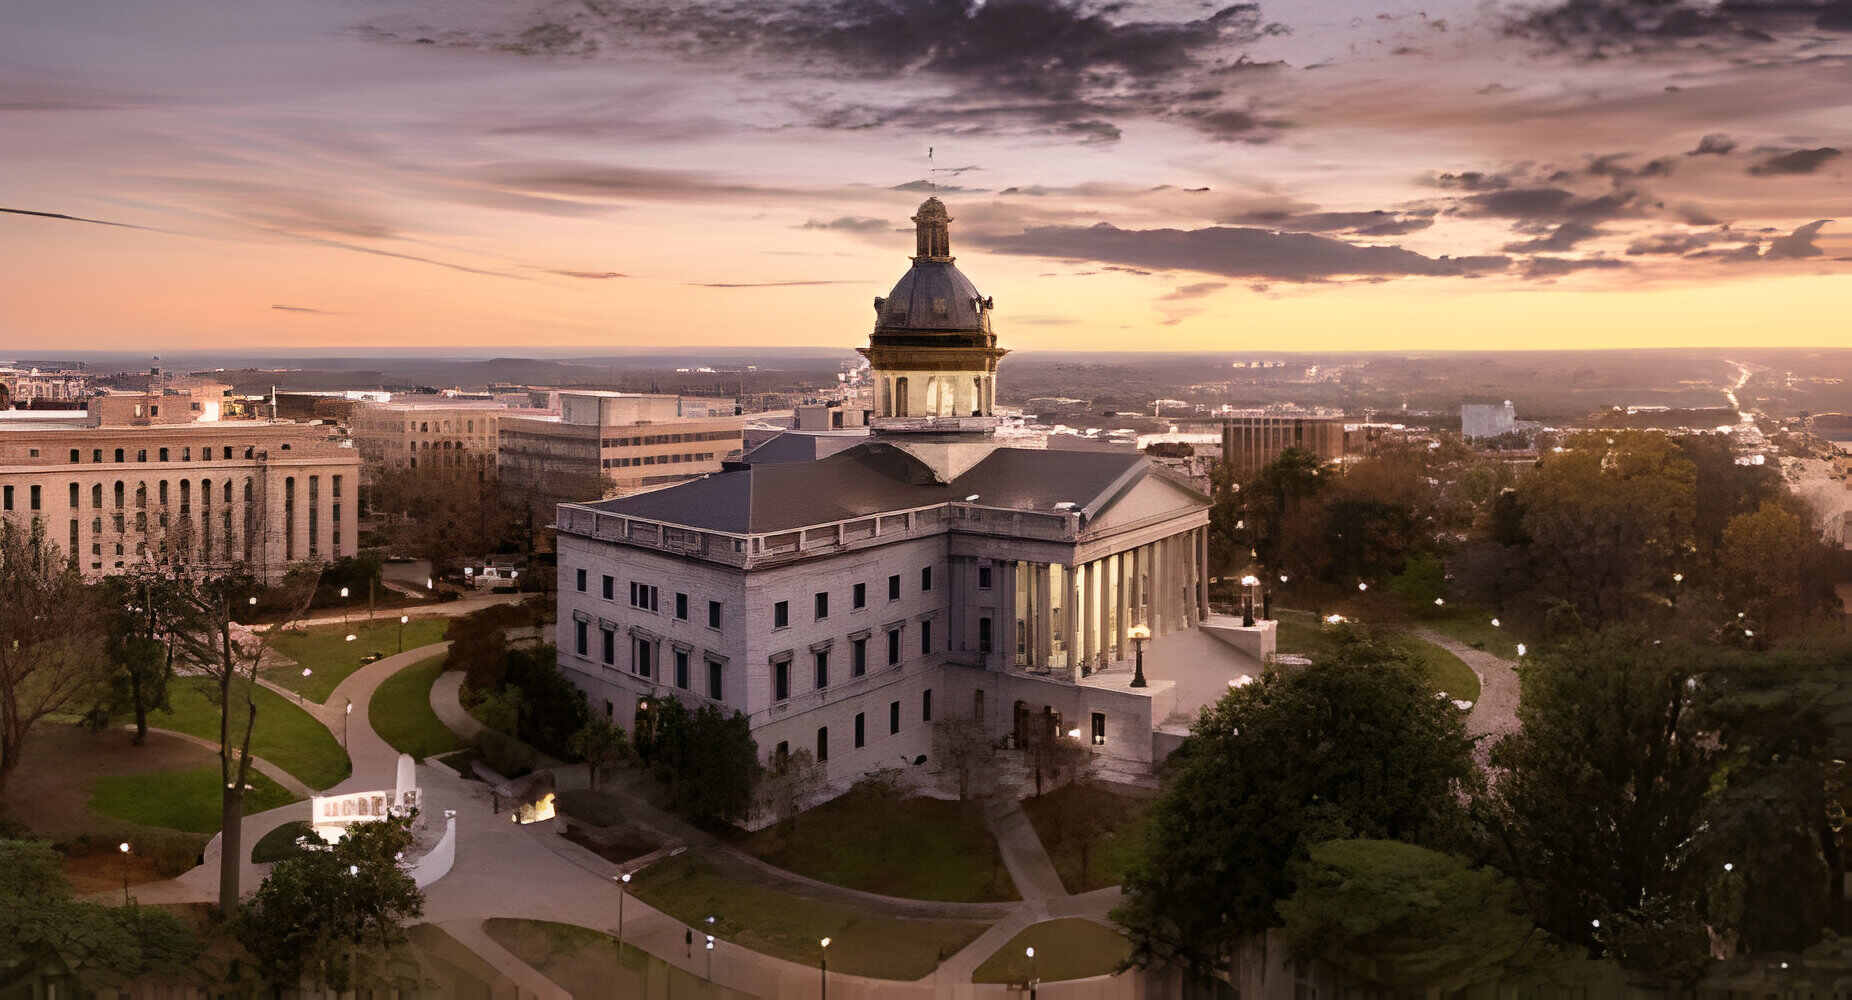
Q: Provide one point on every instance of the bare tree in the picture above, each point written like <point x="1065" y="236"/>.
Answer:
<point x="964" y="750"/>
<point x="1054" y="756"/>
<point x="46" y="664"/>
<point x="205" y="637"/>
<point x="792" y="782"/>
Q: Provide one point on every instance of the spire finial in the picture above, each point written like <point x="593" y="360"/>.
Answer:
<point x="933" y="231"/>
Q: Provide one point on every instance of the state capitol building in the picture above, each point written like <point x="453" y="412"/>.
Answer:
<point x="844" y="604"/>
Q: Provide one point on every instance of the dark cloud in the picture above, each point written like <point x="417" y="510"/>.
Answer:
<point x="934" y="187"/>
<point x="1194" y="291"/>
<point x="850" y="224"/>
<point x="1233" y="252"/>
<point x="1552" y="267"/>
<point x="1550" y="203"/>
<point x="1714" y="144"/>
<point x="1563" y="237"/>
<point x="589" y="275"/>
<point x="1092" y="130"/>
<point x="1371" y="223"/>
<point x="1798" y="243"/>
<point x="70" y="218"/>
<point x="1800" y="161"/>
<point x="1125" y="270"/>
<point x="1471" y="180"/>
<point x="1677" y="242"/>
<point x="598" y="180"/>
<point x="304" y="309"/>
<point x="767" y="284"/>
<point x="1600" y="27"/>
<point x="1613" y="166"/>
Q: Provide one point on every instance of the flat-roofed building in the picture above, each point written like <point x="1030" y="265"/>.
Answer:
<point x="1251" y="440"/>
<point x="254" y="495"/>
<point x="429" y="433"/>
<point x="634" y="441"/>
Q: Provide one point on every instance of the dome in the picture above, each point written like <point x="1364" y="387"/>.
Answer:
<point x="933" y="296"/>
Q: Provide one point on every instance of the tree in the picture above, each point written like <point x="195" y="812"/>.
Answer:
<point x="601" y="744"/>
<point x="321" y="913"/>
<point x="1355" y="745"/>
<point x="1055" y="756"/>
<point x="210" y="642"/>
<point x="442" y="515"/>
<point x="1772" y="566"/>
<point x="139" y="609"/>
<point x="46" y="665"/>
<point x="1407" y="918"/>
<point x="965" y="750"/>
<point x="1601" y="795"/>
<point x="706" y="758"/>
<point x="43" y="928"/>
<point x="792" y="782"/>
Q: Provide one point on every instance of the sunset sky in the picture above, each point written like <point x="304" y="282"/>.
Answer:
<point x="1156" y="174"/>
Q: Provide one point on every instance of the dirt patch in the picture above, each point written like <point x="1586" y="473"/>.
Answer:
<point x="102" y="870"/>
<point x="50" y="792"/>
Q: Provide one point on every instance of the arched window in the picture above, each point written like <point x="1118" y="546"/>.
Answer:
<point x="118" y="494"/>
<point x="96" y="496"/>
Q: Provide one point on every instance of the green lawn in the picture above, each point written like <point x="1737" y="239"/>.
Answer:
<point x="1300" y="633"/>
<point x="1090" y="823"/>
<point x="280" y="842"/>
<point x="286" y="735"/>
<point x="401" y="712"/>
<point x="324" y="649"/>
<point x="1475" y="628"/>
<point x="780" y="924"/>
<point x="178" y="800"/>
<point x="585" y="962"/>
<point x="1070" y="948"/>
<point x="919" y="848"/>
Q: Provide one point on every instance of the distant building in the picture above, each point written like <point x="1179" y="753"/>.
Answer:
<point x="25" y="386"/>
<point x="1250" y="441"/>
<point x="154" y="487"/>
<point x="1487" y="420"/>
<point x="635" y="441"/>
<point x="431" y="433"/>
<point x="845" y="605"/>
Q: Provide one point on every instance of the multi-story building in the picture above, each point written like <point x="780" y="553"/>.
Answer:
<point x="1251" y="440"/>
<point x="432" y="433"/>
<point x="1486" y="420"/>
<point x="845" y="605"/>
<point x="253" y="494"/>
<point x="634" y="441"/>
<point x="25" y="386"/>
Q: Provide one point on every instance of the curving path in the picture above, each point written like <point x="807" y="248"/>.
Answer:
<point x="1496" y="712"/>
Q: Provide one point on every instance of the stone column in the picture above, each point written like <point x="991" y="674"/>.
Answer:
<point x="1121" y="581"/>
<point x="1202" y="571"/>
<point x="1043" y="633"/>
<point x="1160" y="611"/>
<point x="1003" y="635"/>
<point x="1104" y="649"/>
<point x="1070" y="614"/>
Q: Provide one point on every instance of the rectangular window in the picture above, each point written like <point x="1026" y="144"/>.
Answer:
<point x="893" y="587"/>
<point x="643" y="596"/>
<point x="860" y="739"/>
<point x="893" y="647"/>
<point x="858" y="598"/>
<point x="35" y="495"/>
<point x="640" y="657"/>
<point x="926" y="705"/>
<point x="681" y="669"/>
<point x="926" y="578"/>
<point x="681" y="607"/>
<point x="925" y="637"/>
<point x="713" y="614"/>
<point x="1099" y="729"/>
<point x="983" y="635"/>
<point x="579" y="637"/>
<point x="75" y="498"/>
<point x="74" y="456"/>
<point x="781" y="614"/>
<point x="822" y="605"/>
<point x="581" y="580"/>
<point x="609" y="583"/>
<point x="893" y="717"/>
<point x="781" y="680"/>
<point x="609" y="637"/>
<point x="858" y="657"/>
<point x="823" y="744"/>
<point x="6" y="498"/>
<point x="983" y="578"/>
<point x="823" y="669"/>
<point x="713" y="680"/>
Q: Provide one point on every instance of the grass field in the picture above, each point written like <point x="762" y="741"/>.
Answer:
<point x="1118" y="832"/>
<point x="286" y="735"/>
<point x="1475" y="628"/>
<point x="586" y="963"/>
<point x="783" y="925"/>
<point x="1070" y="948"/>
<point x="919" y="848"/>
<point x="401" y="712"/>
<point x="178" y="800"/>
<point x="324" y="649"/>
<point x="1301" y="633"/>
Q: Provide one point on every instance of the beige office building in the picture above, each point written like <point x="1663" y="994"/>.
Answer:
<point x="636" y="441"/>
<point x="431" y="433"/>
<point x="1250" y="441"/>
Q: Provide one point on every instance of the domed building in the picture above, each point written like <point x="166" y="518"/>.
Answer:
<point x="847" y="604"/>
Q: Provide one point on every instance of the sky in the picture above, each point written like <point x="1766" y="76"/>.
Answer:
<point x="1147" y="174"/>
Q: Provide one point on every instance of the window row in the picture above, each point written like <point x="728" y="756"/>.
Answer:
<point x="821" y="659"/>
<point x="164" y="454"/>
<point x="632" y="442"/>
<point x="645" y="597"/>
<point x="858" y="599"/>
<point x="625" y="463"/>
<point x="645" y="654"/>
<point x="783" y="750"/>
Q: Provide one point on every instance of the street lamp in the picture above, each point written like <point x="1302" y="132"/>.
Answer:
<point x="1248" y="583"/>
<point x="344" y="717"/>
<point x="124" y="848"/>
<point x="1138" y="634"/>
<point x="402" y="620"/>
<point x="623" y="882"/>
<point x="710" y="958"/>
<point x="300" y="698"/>
<point x="343" y="606"/>
<point x="823" y="967"/>
<point x="1030" y="951"/>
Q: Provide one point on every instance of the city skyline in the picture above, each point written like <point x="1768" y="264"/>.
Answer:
<point x="1166" y="175"/>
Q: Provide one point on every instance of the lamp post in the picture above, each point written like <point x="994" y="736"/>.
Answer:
<point x="402" y="620"/>
<point x="1030" y="951"/>
<point x="300" y="698"/>
<point x="710" y="958"/>
<point x="623" y="883"/>
<point x="1677" y="579"/>
<point x="124" y="848"/>
<point x="343" y="607"/>
<point x="344" y="717"/>
<point x="823" y="968"/>
<point x="1138" y="634"/>
<point x="1248" y="585"/>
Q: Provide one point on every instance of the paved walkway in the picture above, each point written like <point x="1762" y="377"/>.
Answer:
<point x="1022" y="850"/>
<point x="434" y="609"/>
<point x="1495" y="713"/>
<point x="290" y="782"/>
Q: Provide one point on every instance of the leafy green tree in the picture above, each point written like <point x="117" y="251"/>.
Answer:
<point x="1601" y="793"/>
<point x="1723" y="489"/>
<point x="601" y="744"/>
<point x="1355" y="745"/>
<point x="1772" y="566"/>
<point x="552" y="708"/>
<point x="139" y="609"/>
<point x="46" y="665"/>
<point x="43" y="929"/>
<point x="707" y="759"/>
<point x="1407" y="918"/>
<point x="322" y="915"/>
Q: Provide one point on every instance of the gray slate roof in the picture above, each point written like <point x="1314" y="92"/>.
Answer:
<point x="912" y="305"/>
<point x="870" y="479"/>
<point x="803" y="446"/>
